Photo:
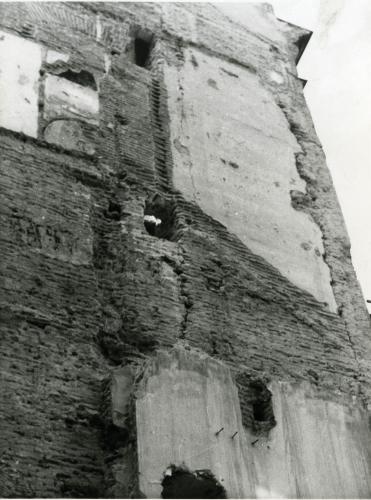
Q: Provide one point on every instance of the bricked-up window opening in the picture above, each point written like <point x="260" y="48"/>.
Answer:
<point x="182" y="483"/>
<point x="83" y="78"/>
<point x="159" y="217"/>
<point x="143" y="44"/>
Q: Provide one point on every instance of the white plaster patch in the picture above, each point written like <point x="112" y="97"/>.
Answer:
<point x="52" y="56"/>
<point x="318" y="448"/>
<point x="153" y="219"/>
<point x="98" y="28"/>
<point x="66" y="99"/>
<point x="20" y="62"/>
<point x="107" y="63"/>
<point x="276" y="77"/>
<point x="237" y="162"/>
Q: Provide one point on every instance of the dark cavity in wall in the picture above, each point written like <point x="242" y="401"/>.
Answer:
<point x="113" y="211"/>
<point x="83" y="78"/>
<point x="256" y="405"/>
<point x="143" y="44"/>
<point x="159" y="217"/>
<point x="182" y="483"/>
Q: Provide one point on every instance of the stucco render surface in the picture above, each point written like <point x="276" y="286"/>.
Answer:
<point x="20" y="62"/>
<point x="200" y="395"/>
<point x="234" y="155"/>
<point x="89" y="295"/>
<point x="318" y="449"/>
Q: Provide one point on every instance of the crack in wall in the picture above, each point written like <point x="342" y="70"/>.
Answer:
<point x="184" y="294"/>
<point x="188" y="304"/>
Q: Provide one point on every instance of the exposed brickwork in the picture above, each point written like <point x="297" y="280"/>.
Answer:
<point x="86" y="288"/>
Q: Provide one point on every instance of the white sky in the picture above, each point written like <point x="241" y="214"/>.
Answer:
<point x="337" y="65"/>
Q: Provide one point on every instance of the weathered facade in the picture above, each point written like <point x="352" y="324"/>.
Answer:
<point x="179" y="311"/>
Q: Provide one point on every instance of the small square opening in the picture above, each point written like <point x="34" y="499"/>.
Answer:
<point x="143" y="44"/>
<point x="159" y="217"/>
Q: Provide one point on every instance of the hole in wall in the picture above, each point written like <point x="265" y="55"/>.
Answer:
<point x="179" y="482"/>
<point x="113" y="211"/>
<point x="115" y="437"/>
<point x="143" y="44"/>
<point x="261" y="411"/>
<point x="122" y="120"/>
<point x="83" y="78"/>
<point x="256" y="404"/>
<point x="159" y="217"/>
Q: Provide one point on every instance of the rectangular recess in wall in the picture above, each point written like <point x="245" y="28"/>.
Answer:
<point x="143" y="44"/>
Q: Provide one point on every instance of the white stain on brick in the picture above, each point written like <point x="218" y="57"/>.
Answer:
<point x="66" y="99"/>
<point x="20" y="62"/>
<point x="107" y="63"/>
<point x="52" y="56"/>
<point x="98" y="28"/>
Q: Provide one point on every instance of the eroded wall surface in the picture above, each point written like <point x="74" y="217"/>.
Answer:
<point x="120" y="186"/>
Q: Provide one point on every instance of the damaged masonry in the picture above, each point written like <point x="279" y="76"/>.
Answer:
<point x="180" y="317"/>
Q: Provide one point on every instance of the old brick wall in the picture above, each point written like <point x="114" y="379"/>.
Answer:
<point x="88" y="157"/>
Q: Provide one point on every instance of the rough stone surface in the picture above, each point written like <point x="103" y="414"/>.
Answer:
<point x="90" y="293"/>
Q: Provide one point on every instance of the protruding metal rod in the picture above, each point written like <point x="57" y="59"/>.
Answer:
<point x="219" y="431"/>
<point x="234" y="434"/>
